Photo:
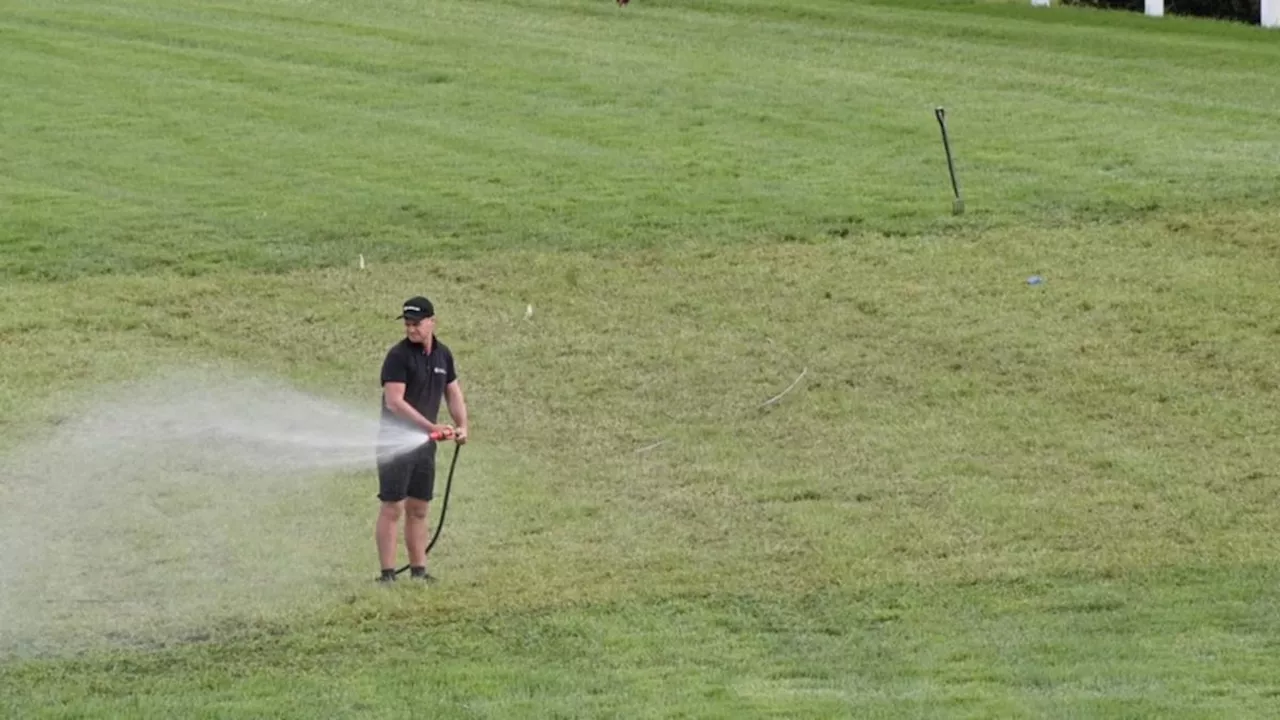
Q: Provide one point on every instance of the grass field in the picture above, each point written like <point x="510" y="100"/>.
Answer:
<point x="982" y="499"/>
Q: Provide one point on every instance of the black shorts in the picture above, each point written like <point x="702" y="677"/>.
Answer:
<point x="412" y="474"/>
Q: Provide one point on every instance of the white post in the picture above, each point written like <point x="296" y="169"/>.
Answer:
<point x="1270" y="13"/>
<point x="1155" y="8"/>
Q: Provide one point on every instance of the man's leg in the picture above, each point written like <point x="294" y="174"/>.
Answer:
<point x="415" y="531"/>
<point x="385" y="533"/>
<point x="422" y="485"/>
<point x="393" y="483"/>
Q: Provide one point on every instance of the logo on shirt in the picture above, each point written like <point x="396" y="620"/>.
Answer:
<point x="438" y="371"/>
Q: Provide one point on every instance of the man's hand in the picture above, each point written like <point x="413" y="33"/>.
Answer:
<point x="460" y="435"/>
<point x="440" y="432"/>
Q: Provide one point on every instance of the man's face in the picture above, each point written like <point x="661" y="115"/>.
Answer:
<point x="419" y="330"/>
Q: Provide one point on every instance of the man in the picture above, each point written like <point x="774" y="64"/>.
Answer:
<point x="417" y="372"/>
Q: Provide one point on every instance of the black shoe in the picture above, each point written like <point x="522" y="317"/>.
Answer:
<point x="388" y="576"/>
<point x="421" y="575"/>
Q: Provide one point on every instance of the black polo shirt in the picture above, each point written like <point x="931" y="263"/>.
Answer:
<point x="424" y="375"/>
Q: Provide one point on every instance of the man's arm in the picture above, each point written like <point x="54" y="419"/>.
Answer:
<point x="394" y="394"/>
<point x="457" y="409"/>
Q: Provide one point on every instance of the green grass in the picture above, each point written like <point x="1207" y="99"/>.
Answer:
<point x="1053" y="646"/>
<point x="983" y="498"/>
<point x="193" y="137"/>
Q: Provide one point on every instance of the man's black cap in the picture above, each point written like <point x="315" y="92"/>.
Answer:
<point x="416" y="308"/>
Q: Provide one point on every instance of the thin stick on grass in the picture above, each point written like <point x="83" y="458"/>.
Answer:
<point x="778" y="397"/>
<point x="647" y="448"/>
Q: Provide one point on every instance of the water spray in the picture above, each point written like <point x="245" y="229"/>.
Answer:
<point x="183" y="499"/>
